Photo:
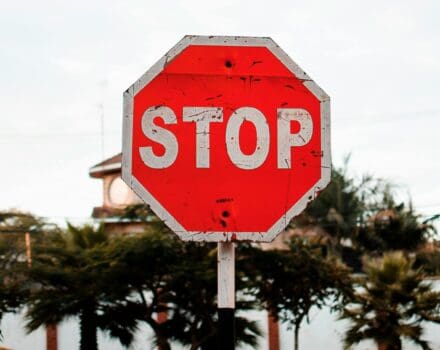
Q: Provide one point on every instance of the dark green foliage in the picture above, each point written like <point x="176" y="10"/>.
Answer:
<point x="113" y="284"/>
<point x="394" y="228"/>
<point x="363" y="217"/>
<point x="390" y="303"/>
<point x="290" y="282"/>
<point x="13" y="273"/>
<point x="167" y="275"/>
<point x="14" y="262"/>
<point x="340" y="207"/>
<point x="138" y="212"/>
<point x="15" y="222"/>
<point x="429" y="261"/>
<point x="71" y="277"/>
<point x="142" y="267"/>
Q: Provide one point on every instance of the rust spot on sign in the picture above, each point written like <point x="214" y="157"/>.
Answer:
<point x="224" y="213"/>
<point x="224" y="200"/>
<point x="317" y="153"/>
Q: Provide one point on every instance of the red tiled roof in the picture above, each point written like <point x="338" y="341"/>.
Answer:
<point x="109" y="165"/>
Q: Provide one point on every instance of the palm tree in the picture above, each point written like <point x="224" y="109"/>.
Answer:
<point x="340" y="210"/>
<point x="14" y="257"/>
<point x="342" y="205"/>
<point x="72" y="278"/>
<point x="394" y="227"/>
<point x="289" y="283"/>
<point x="390" y="304"/>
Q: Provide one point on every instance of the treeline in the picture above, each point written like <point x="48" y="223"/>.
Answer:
<point x="355" y="249"/>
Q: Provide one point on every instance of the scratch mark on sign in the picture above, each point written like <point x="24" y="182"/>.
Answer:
<point x="256" y="62"/>
<point x="167" y="57"/>
<point x="288" y="189"/>
<point x="224" y="200"/>
<point x="201" y="113"/>
<point x="317" y="153"/>
<point x="214" y="97"/>
<point x="317" y="190"/>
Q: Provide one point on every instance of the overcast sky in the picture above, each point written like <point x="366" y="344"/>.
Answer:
<point x="65" y="63"/>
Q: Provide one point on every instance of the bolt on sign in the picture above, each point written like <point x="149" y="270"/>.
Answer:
<point x="226" y="138"/>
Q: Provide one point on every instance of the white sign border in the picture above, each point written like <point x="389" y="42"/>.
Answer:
<point x="160" y="211"/>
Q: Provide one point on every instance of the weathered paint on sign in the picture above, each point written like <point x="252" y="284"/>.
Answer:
<point x="226" y="138"/>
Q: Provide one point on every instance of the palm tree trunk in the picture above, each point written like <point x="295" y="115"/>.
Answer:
<point x="397" y="345"/>
<point x="163" y="344"/>
<point x="88" y="330"/>
<point x="296" y="332"/>
<point x="382" y="346"/>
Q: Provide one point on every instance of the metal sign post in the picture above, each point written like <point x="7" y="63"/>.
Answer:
<point x="226" y="294"/>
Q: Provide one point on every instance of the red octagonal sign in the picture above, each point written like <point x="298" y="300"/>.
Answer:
<point x="226" y="138"/>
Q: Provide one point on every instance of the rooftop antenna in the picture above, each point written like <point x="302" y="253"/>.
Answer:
<point x="103" y="87"/>
<point x="101" y="112"/>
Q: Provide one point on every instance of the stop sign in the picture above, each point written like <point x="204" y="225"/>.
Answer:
<point x="226" y="138"/>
